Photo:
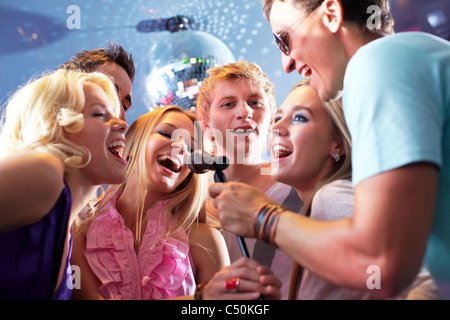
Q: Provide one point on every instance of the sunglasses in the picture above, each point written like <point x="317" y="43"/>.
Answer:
<point x="282" y="38"/>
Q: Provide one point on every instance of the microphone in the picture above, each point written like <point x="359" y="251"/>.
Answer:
<point x="201" y="162"/>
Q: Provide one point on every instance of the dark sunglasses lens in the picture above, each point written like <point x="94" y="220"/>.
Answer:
<point x="283" y="47"/>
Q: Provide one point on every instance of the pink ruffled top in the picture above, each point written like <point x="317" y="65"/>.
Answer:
<point x="159" y="271"/>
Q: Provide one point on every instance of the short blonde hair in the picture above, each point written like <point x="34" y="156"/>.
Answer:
<point x="237" y="70"/>
<point x="39" y="113"/>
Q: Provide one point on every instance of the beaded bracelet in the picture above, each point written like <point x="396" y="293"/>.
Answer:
<point x="265" y="222"/>
<point x="199" y="291"/>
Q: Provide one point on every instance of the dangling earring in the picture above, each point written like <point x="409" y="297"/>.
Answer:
<point x="209" y="145"/>
<point x="213" y="146"/>
<point x="336" y="156"/>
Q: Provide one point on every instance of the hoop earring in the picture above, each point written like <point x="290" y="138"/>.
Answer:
<point x="336" y="156"/>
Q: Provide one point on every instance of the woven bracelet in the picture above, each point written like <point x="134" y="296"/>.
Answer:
<point x="274" y="225"/>
<point x="265" y="222"/>
<point x="259" y="217"/>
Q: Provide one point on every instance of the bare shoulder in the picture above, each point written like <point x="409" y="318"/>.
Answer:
<point x="204" y="236"/>
<point x="30" y="184"/>
<point x="32" y="162"/>
<point x="204" y="233"/>
<point x="208" y="250"/>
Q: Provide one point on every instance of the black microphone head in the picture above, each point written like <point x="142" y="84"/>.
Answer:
<point x="220" y="163"/>
<point x="201" y="162"/>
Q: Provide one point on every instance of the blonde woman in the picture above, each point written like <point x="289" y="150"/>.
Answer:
<point x="61" y="139"/>
<point x="311" y="151"/>
<point x="146" y="240"/>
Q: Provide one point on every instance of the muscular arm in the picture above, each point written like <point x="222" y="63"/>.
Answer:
<point x="392" y="219"/>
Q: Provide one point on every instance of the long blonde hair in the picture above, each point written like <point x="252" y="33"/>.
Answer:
<point x="187" y="201"/>
<point x="342" y="169"/>
<point x="39" y="113"/>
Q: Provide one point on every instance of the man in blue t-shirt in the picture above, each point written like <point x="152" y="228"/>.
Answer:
<point x="396" y="94"/>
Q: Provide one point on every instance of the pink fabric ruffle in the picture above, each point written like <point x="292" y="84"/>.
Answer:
<point x="159" y="271"/>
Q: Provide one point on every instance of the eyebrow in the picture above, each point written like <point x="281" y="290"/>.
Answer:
<point x="101" y="105"/>
<point x="227" y="98"/>
<point x="97" y="103"/>
<point x="283" y="30"/>
<point x="253" y="95"/>
<point x="256" y="95"/>
<point x="297" y="107"/>
<point x="175" y="127"/>
<point x="169" y="124"/>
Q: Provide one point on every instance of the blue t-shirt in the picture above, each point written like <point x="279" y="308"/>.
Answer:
<point x="397" y="106"/>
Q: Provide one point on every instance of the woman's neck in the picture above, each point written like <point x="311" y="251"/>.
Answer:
<point x="80" y="193"/>
<point x="303" y="194"/>
<point x="129" y="202"/>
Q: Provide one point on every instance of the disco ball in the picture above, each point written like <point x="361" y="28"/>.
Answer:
<point x="176" y="65"/>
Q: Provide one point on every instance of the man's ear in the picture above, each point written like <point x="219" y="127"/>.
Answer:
<point x="206" y="128"/>
<point x="333" y="14"/>
<point x="208" y="138"/>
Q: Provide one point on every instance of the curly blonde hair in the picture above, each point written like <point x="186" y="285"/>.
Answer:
<point x="39" y="113"/>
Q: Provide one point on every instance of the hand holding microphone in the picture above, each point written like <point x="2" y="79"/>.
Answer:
<point x="201" y="162"/>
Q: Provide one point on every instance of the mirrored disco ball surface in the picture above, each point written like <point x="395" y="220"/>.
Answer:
<point x="176" y="65"/>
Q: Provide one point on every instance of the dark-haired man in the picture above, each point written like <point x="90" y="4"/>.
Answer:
<point x="113" y="61"/>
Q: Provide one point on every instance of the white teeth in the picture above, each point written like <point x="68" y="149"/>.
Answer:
<point x="170" y="163"/>
<point x="116" y="147"/>
<point x="306" y="72"/>
<point x="242" y="131"/>
<point x="117" y="143"/>
<point x="281" y="149"/>
<point x="165" y="157"/>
